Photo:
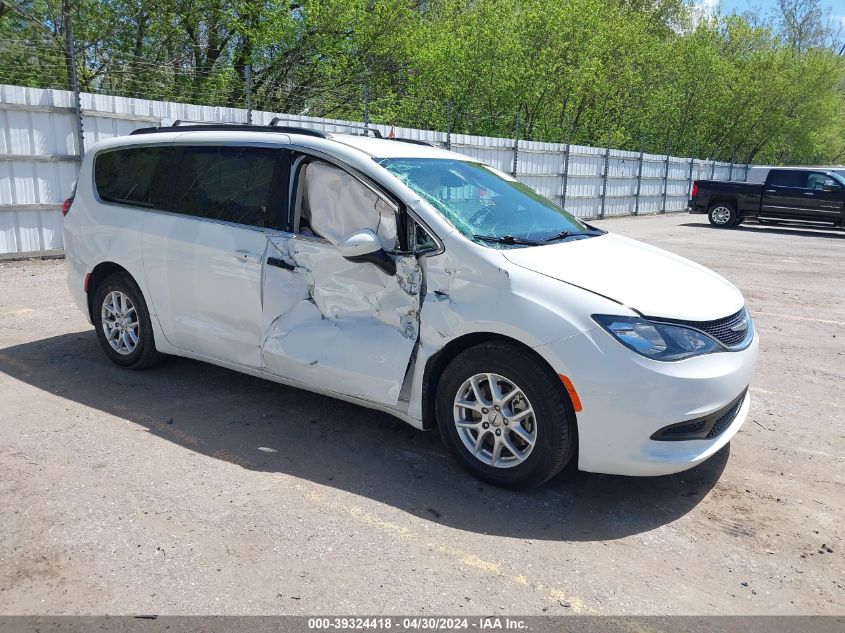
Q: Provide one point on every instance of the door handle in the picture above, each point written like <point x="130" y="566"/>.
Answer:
<point x="280" y="263"/>
<point x="771" y="191"/>
<point x="246" y="256"/>
<point x="808" y="193"/>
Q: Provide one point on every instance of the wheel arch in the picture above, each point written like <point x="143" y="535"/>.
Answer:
<point x="722" y="199"/>
<point x="96" y="277"/>
<point x="438" y="362"/>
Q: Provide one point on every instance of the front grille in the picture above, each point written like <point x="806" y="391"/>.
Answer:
<point x="703" y="428"/>
<point x="722" y="329"/>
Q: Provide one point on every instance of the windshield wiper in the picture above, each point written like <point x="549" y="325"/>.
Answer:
<point x="507" y="239"/>
<point x="564" y="234"/>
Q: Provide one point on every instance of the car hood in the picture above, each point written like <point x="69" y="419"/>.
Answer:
<point x="647" y="279"/>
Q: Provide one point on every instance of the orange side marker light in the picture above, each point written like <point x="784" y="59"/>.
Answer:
<point x="573" y="395"/>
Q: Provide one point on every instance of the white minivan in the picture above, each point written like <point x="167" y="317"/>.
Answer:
<point x="415" y="281"/>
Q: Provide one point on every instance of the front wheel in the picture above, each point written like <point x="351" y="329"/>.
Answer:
<point x="722" y="214"/>
<point x="505" y="416"/>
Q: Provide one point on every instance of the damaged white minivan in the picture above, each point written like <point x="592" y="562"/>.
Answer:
<point x="412" y="280"/>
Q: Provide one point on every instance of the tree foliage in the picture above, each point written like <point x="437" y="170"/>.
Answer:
<point x="639" y="74"/>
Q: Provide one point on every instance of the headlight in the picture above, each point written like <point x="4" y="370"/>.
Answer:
<point x="659" y="341"/>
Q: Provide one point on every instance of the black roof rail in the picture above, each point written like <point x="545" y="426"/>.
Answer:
<point x="375" y="132"/>
<point x="230" y="127"/>
<point x="237" y="125"/>
<point x="414" y="141"/>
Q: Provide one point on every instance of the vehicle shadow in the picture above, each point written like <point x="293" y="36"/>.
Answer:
<point x="777" y="229"/>
<point x="264" y="426"/>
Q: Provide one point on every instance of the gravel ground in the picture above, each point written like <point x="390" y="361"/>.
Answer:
<point x="190" y="489"/>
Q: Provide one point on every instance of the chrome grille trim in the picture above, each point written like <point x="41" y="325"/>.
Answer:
<point x="730" y="331"/>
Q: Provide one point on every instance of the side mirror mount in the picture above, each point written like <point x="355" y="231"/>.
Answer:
<point x="365" y="246"/>
<point x="831" y="186"/>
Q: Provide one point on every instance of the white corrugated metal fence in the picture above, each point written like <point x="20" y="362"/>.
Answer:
<point x="39" y="161"/>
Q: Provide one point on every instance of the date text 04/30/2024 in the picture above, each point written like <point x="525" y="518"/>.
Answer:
<point x="417" y="623"/>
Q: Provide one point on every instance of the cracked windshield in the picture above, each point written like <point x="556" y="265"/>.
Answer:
<point x="486" y="205"/>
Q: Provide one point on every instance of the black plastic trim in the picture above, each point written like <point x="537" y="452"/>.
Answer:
<point x="706" y="427"/>
<point x="378" y="258"/>
<point x="280" y="263"/>
<point x="217" y="127"/>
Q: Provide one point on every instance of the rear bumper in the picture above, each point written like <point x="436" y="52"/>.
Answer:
<point x="76" y="273"/>
<point x="694" y="207"/>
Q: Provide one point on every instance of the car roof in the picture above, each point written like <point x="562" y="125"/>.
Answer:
<point x="391" y="148"/>
<point x="797" y="167"/>
<point x="371" y="146"/>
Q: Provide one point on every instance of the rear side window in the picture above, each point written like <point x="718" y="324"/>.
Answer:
<point x="129" y="176"/>
<point x="788" y="178"/>
<point x="226" y="183"/>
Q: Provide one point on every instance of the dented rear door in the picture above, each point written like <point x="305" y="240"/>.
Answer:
<point x="338" y="325"/>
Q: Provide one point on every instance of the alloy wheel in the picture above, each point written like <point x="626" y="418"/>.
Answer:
<point x="495" y="420"/>
<point x="120" y="323"/>
<point x="721" y="215"/>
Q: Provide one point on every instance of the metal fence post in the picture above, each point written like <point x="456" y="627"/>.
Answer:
<point x="448" y="124"/>
<point x="366" y="105"/>
<point x="248" y="86"/>
<point x="713" y="169"/>
<point x="516" y="146"/>
<point x="565" y="175"/>
<point x="691" y="166"/>
<point x="70" y="51"/>
<point x="666" y="177"/>
<point x="566" y="152"/>
<point x="639" y="179"/>
<point x="605" y="174"/>
<point x="731" y="173"/>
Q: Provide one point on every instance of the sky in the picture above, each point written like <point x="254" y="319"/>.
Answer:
<point x="837" y="7"/>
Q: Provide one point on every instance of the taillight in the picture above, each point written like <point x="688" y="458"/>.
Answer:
<point x="66" y="206"/>
<point x="694" y="189"/>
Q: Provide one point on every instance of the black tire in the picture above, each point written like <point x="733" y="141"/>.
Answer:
<point x="554" y="416"/>
<point x="722" y="214"/>
<point x="144" y="354"/>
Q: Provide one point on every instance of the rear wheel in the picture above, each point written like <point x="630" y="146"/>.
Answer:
<point x="505" y="416"/>
<point x="722" y="214"/>
<point x="123" y="323"/>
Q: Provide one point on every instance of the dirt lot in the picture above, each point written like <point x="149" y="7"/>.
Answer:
<point x="193" y="489"/>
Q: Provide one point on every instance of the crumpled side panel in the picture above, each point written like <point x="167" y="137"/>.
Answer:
<point x="339" y="325"/>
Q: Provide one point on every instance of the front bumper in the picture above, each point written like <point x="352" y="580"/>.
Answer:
<point x="627" y="398"/>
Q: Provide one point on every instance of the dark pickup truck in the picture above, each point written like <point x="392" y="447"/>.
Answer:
<point x="803" y="195"/>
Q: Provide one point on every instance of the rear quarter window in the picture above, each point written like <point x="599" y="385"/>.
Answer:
<point x="788" y="178"/>
<point x="128" y="176"/>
